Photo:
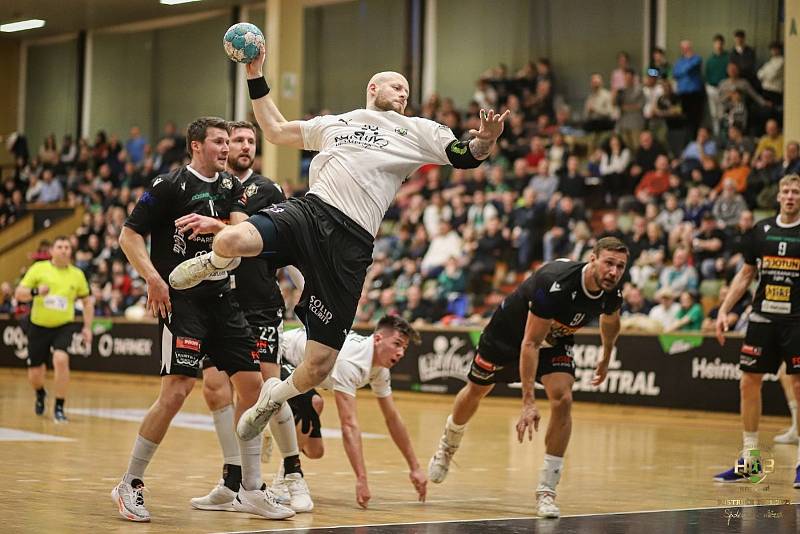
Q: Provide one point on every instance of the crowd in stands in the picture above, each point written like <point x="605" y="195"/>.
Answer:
<point x="678" y="160"/>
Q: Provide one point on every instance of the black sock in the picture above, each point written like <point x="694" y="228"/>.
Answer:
<point x="60" y="405"/>
<point x="41" y="394"/>
<point x="232" y="475"/>
<point x="291" y="464"/>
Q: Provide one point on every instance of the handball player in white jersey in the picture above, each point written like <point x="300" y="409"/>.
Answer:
<point x="364" y="157"/>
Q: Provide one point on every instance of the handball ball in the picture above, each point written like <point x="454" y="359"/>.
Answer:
<point x="242" y="41"/>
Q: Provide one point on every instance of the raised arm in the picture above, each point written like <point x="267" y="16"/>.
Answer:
<point x="276" y="128"/>
<point x="399" y="433"/>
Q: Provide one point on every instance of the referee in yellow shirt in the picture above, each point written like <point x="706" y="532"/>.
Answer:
<point x="53" y="285"/>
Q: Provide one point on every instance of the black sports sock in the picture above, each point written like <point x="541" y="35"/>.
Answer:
<point x="60" y="405"/>
<point x="41" y="393"/>
<point x="232" y="475"/>
<point x="291" y="464"/>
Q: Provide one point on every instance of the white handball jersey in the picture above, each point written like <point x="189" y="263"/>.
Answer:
<point x="364" y="157"/>
<point x="353" y="368"/>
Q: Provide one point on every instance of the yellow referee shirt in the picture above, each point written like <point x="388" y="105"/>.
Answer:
<point x="57" y="307"/>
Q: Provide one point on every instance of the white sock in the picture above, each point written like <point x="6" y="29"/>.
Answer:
<point x="285" y="390"/>
<point x="550" y="473"/>
<point x="283" y="431"/>
<point x="750" y="440"/>
<point x="141" y="455"/>
<point x="793" y="409"/>
<point x="453" y="432"/>
<point x="223" y="423"/>
<point x="251" y="463"/>
<point x="219" y="261"/>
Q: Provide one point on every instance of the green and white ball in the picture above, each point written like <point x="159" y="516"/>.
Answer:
<point x="242" y="41"/>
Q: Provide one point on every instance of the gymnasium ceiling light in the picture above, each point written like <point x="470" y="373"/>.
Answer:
<point x="21" y="25"/>
<point x="174" y="2"/>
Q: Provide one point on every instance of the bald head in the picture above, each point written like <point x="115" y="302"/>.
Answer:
<point x="387" y="91"/>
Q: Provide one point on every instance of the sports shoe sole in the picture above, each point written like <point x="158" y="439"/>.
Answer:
<point x="123" y="511"/>
<point x="239" y="506"/>
<point x="227" y="507"/>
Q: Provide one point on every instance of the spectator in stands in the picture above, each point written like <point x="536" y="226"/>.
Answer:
<point x="630" y="101"/>
<point x="527" y="221"/>
<point x="572" y="182"/>
<point x="67" y="154"/>
<point x="659" y="63"/>
<point x="7" y="302"/>
<point x="728" y="206"/>
<point x="610" y="225"/>
<point x="51" y="190"/>
<point x="653" y="251"/>
<point x="766" y="171"/>
<point x="644" y="158"/>
<point x="581" y="242"/>
<point x="689" y="316"/>
<point x="733" y="316"/>
<point x="445" y="245"/>
<point x="452" y="284"/>
<point x="680" y="276"/>
<point x="416" y="308"/>
<point x="637" y="238"/>
<point x="544" y="183"/>
<point x="737" y="83"/>
<point x="708" y="247"/>
<point x="435" y="212"/>
<point x="672" y="214"/>
<point x="772" y="138"/>
<point x="536" y="154"/>
<point x="668" y="121"/>
<point x="734" y="169"/>
<point x="135" y="146"/>
<point x="48" y="152"/>
<point x="771" y="75"/>
<point x="688" y="74"/>
<point x="557" y="153"/>
<point x="654" y="183"/>
<point x="715" y="72"/>
<point x="791" y="159"/>
<point x="665" y="312"/>
<point x="738" y="237"/>
<point x="744" y="57"/>
<point x="619" y="73"/>
<point x="598" y="108"/>
<point x="489" y="253"/>
<point x="614" y="168"/>
<point x="737" y="139"/>
<point x="170" y="149"/>
<point x="556" y="241"/>
<point x="634" y="302"/>
<point x="692" y="156"/>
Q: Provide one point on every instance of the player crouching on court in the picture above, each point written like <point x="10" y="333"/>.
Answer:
<point x="363" y="360"/>
<point x="530" y="336"/>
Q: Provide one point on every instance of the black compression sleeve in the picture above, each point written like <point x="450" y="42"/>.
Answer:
<point x="460" y="155"/>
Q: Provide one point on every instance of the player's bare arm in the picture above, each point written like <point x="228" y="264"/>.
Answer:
<point x="351" y="438"/>
<point x="483" y="139"/>
<point x="135" y="249"/>
<point x="276" y="128"/>
<point x="739" y="285"/>
<point x="399" y="433"/>
<point x="609" y="331"/>
<point x="536" y="329"/>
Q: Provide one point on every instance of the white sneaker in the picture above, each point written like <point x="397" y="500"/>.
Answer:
<point x="440" y="463"/>
<point x="193" y="271"/>
<point x="280" y="489"/>
<point x="130" y="501"/>
<point x="298" y="490"/>
<point x="546" y="505"/>
<point x="220" y="499"/>
<point x="255" y="419"/>
<point x="260" y="502"/>
<point x="789" y="437"/>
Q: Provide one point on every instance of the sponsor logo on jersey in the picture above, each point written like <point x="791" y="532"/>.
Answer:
<point x="769" y="306"/>
<point x="319" y="309"/>
<point x="401" y="131"/>
<point x="480" y="362"/>
<point x="250" y="190"/>
<point x="179" y="245"/>
<point x="751" y="350"/>
<point x="366" y="137"/>
<point x="227" y="183"/>
<point x="780" y="263"/>
<point x="779" y="293"/>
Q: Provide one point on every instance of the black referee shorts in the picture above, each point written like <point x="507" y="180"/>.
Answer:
<point x="333" y="253"/>
<point x="41" y="339"/>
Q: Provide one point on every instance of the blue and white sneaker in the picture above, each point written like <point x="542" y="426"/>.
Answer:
<point x="730" y="476"/>
<point x="796" y="484"/>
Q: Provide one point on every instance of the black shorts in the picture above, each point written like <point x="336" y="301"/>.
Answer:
<point x="303" y="408"/>
<point x="495" y="362"/>
<point x="212" y="325"/>
<point x="41" y="339"/>
<point x="266" y="327"/>
<point x="767" y="345"/>
<point x="331" y="250"/>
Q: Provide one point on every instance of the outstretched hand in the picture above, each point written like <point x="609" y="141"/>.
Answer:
<point x="491" y="125"/>
<point x="528" y="420"/>
<point x="255" y="69"/>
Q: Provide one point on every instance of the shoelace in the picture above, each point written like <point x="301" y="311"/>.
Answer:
<point x="296" y="485"/>
<point x="270" y="407"/>
<point x="547" y="499"/>
<point x="138" y="497"/>
<point x="446" y="451"/>
<point x="270" y="497"/>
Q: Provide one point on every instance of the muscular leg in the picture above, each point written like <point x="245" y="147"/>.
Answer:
<point x="750" y="406"/>
<point x="559" y="393"/>
<point x="61" y="373"/>
<point x="36" y="376"/>
<point x="317" y="364"/>
<point x="313" y="448"/>
<point x="236" y="240"/>
<point x="467" y="402"/>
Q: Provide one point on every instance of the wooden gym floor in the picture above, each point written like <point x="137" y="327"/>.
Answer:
<point x="57" y="478"/>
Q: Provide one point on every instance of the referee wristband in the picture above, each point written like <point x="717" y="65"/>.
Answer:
<point x="258" y="88"/>
<point x="34" y="291"/>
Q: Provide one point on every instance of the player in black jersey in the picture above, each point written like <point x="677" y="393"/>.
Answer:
<point x="255" y="288"/>
<point x="771" y="252"/>
<point x="529" y="338"/>
<point x="203" y="320"/>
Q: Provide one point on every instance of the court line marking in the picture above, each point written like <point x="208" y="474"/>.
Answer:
<point x="490" y="519"/>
